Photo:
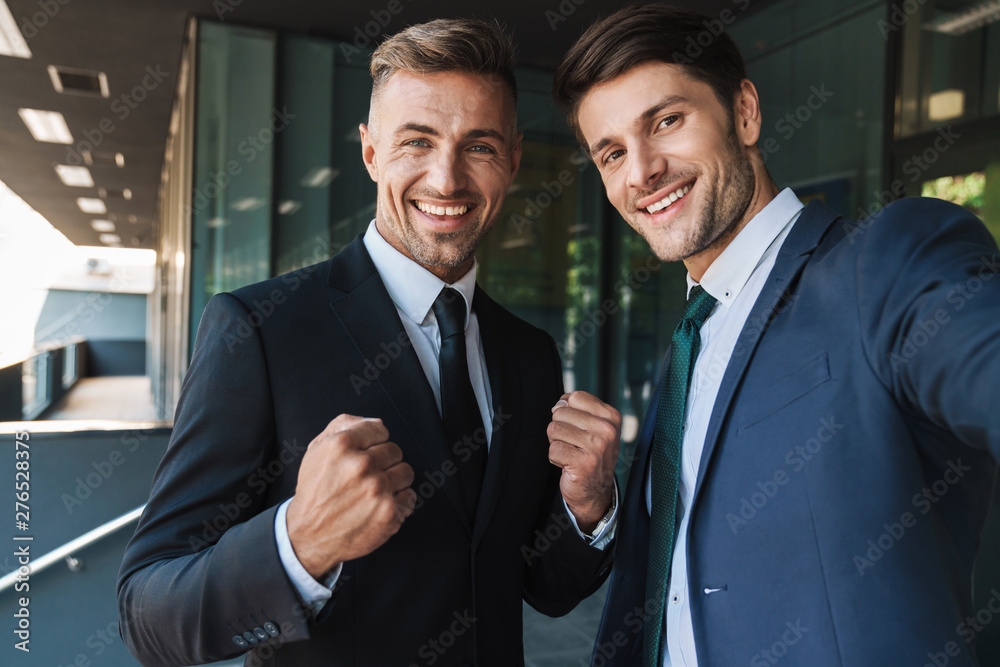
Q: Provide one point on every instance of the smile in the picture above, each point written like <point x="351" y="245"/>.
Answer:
<point x="432" y="209"/>
<point x="669" y="199"/>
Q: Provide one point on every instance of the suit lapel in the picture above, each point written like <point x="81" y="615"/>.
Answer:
<point x="369" y="316"/>
<point x="505" y="397"/>
<point x="795" y="252"/>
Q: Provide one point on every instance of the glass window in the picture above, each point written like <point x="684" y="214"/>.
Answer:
<point x="237" y="122"/>
<point x="542" y="258"/>
<point x="950" y="63"/>
<point x="69" y="365"/>
<point x="35" y="385"/>
<point x="303" y="165"/>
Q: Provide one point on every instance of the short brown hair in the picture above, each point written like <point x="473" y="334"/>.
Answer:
<point x="447" y="45"/>
<point x="643" y="33"/>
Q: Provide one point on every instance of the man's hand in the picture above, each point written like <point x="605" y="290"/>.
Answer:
<point x="353" y="493"/>
<point x="584" y="437"/>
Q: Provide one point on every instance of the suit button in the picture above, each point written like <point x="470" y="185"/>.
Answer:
<point x="239" y="641"/>
<point x="261" y="635"/>
<point x="271" y="629"/>
<point x="249" y="636"/>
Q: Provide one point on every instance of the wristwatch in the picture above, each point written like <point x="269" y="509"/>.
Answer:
<point x="606" y="519"/>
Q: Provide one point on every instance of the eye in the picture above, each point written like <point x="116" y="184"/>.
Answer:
<point x="482" y="148"/>
<point x="418" y="143"/>
<point x="669" y="120"/>
<point x="613" y="156"/>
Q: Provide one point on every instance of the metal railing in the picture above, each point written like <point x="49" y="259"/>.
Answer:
<point x="66" y="551"/>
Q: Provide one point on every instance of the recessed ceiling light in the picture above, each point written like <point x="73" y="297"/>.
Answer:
<point x="11" y="40"/>
<point x="102" y="225"/>
<point x="48" y="126"/>
<point x="110" y="238"/>
<point x="91" y="205"/>
<point x="288" y="207"/>
<point x="77" y="177"/>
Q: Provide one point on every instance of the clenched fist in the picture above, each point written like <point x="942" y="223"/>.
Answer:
<point x="352" y="494"/>
<point x="584" y="437"/>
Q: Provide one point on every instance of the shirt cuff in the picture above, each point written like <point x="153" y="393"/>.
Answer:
<point x="603" y="538"/>
<point x="312" y="592"/>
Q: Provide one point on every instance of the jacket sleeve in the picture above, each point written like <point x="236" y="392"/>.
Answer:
<point x="931" y="318"/>
<point x="203" y="568"/>
<point x="562" y="568"/>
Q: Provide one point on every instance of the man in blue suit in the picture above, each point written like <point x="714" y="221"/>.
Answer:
<point x="810" y="484"/>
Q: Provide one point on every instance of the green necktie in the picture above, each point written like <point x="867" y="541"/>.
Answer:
<point x="666" y="463"/>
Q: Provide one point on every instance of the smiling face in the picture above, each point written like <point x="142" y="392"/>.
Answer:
<point x="680" y="170"/>
<point x="443" y="156"/>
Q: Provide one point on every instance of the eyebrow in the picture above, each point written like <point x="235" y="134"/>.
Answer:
<point x="471" y="134"/>
<point x="645" y="116"/>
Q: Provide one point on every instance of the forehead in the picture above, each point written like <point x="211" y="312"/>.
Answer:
<point x="446" y="101"/>
<point x="620" y="102"/>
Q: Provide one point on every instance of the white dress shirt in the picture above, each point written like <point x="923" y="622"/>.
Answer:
<point x="735" y="279"/>
<point x="413" y="289"/>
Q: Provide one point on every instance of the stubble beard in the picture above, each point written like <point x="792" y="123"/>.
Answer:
<point x="722" y="213"/>
<point x="444" y="249"/>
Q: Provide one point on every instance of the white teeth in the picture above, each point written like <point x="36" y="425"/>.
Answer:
<point x="442" y="210"/>
<point x="669" y="199"/>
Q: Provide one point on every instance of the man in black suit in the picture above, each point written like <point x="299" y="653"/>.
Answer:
<point x="397" y="537"/>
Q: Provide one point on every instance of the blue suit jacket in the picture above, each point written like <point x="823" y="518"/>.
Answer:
<point x="846" y="471"/>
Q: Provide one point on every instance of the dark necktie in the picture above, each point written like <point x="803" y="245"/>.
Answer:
<point x="666" y="460"/>
<point x="459" y="410"/>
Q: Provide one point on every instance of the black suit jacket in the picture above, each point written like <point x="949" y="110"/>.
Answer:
<point x="273" y="364"/>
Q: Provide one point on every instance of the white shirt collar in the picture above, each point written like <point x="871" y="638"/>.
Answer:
<point x="410" y="286"/>
<point x="730" y="271"/>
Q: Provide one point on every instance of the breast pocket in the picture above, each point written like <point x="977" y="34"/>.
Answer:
<point x="784" y="391"/>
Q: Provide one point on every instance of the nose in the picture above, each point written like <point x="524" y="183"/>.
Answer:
<point x="446" y="172"/>
<point x="645" y="166"/>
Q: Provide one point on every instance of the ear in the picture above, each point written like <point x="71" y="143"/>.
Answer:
<point x="368" y="151"/>
<point x="515" y="156"/>
<point x="747" y="114"/>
